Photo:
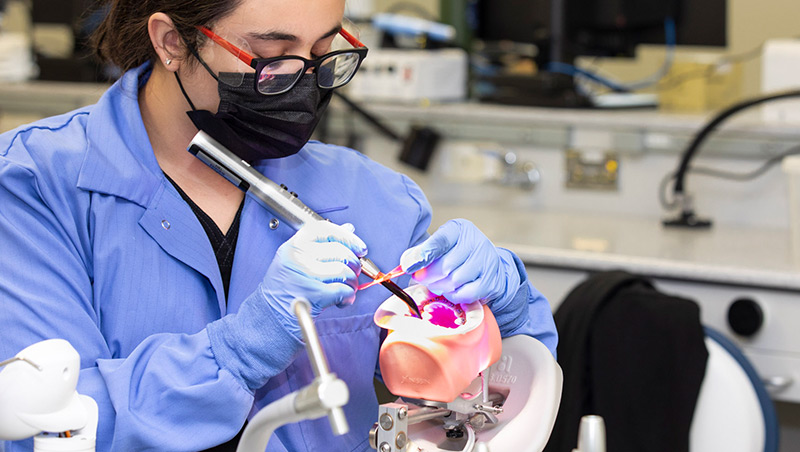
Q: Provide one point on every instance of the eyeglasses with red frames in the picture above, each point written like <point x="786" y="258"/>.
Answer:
<point x="280" y="74"/>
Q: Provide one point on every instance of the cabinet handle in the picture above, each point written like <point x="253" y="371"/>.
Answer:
<point x="777" y="384"/>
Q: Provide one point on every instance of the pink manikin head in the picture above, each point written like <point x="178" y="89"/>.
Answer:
<point x="436" y="357"/>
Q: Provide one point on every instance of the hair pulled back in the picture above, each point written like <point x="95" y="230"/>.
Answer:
<point x="122" y="38"/>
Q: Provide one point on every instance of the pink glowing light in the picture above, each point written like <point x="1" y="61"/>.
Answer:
<point x="382" y="277"/>
<point x="441" y="312"/>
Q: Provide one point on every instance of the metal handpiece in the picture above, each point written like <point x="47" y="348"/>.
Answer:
<point x="272" y="196"/>
<point x="275" y="198"/>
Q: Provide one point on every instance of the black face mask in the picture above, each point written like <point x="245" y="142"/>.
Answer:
<point x="254" y="126"/>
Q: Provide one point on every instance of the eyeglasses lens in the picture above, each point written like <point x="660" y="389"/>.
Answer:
<point x="337" y="70"/>
<point x="334" y="71"/>
<point x="279" y="76"/>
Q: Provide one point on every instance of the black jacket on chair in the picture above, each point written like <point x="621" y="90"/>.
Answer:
<point x="634" y="356"/>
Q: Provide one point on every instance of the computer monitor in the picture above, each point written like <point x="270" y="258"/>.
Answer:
<point x="616" y="27"/>
<point x="601" y="27"/>
<point x="562" y="30"/>
<point x="518" y="21"/>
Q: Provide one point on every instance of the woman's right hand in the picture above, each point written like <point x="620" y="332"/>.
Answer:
<point x="319" y="263"/>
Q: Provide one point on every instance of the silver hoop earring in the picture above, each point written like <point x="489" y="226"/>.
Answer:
<point x="168" y="62"/>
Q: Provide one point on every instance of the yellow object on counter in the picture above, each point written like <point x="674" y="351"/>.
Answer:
<point x="694" y="87"/>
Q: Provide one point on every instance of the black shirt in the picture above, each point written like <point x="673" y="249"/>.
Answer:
<point x="224" y="245"/>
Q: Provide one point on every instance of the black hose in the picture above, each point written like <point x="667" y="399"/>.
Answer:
<point x="694" y="146"/>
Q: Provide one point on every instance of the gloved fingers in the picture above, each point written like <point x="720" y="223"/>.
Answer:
<point x="338" y="294"/>
<point x="445" y="265"/>
<point x="492" y="284"/>
<point x="346" y="295"/>
<point x="432" y="248"/>
<point x="323" y="295"/>
<point x="455" y="279"/>
<point x="469" y="292"/>
<point x="444" y="286"/>
<point x="308" y="253"/>
<point x="328" y="273"/>
<point x="324" y="231"/>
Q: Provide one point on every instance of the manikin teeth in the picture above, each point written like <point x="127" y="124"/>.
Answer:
<point x="441" y="312"/>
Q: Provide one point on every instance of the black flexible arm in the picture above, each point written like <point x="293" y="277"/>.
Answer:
<point x="369" y="117"/>
<point x="418" y="145"/>
<point x="694" y="146"/>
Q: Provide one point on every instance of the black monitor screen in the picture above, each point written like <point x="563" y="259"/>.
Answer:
<point x="59" y="12"/>
<point x="603" y="27"/>
<point x="525" y="21"/>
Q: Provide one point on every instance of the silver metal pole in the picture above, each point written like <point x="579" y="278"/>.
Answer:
<point x="319" y="364"/>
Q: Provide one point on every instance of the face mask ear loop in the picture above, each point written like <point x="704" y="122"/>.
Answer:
<point x="185" y="95"/>
<point x="194" y="53"/>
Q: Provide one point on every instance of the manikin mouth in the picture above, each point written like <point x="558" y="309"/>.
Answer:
<point x="441" y="312"/>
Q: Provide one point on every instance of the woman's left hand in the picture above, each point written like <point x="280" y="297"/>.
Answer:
<point x="459" y="262"/>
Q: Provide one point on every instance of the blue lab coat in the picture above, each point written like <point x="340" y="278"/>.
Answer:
<point x="98" y="248"/>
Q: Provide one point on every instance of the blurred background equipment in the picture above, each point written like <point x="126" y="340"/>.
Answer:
<point x="418" y="146"/>
<point x="60" y="33"/>
<point x="415" y="62"/>
<point x="699" y="83"/>
<point x="561" y="30"/>
<point x="780" y="65"/>
<point x="591" y="434"/>
<point x="400" y="24"/>
<point x="682" y="200"/>
<point x="16" y="62"/>
<point x="412" y="75"/>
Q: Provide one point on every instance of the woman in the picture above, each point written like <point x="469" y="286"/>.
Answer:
<point x="172" y="286"/>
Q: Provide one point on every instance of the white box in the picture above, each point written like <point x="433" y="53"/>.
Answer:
<point x="791" y="167"/>
<point x="411" y="75"/>
<point x="779" y="72"/>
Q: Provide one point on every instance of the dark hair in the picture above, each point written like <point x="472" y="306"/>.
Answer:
<point x="122" y="38"/>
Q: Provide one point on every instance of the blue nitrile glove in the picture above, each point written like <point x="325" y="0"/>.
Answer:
<point x="459" y="262"/>
<point x="319" y="263"/>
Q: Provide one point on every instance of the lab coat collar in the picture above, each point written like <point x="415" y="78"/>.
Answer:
<point x="120" y="162"/>
<point x="119" y="159"/>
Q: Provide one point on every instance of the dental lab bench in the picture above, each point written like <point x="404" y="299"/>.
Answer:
<point x="511" y="171"/>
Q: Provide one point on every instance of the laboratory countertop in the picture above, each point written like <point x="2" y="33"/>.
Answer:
<point x="740" y="256"/>
<point x="56" y="97"/>
<point x="626" y="131"/>
<point x="605" y="119"/>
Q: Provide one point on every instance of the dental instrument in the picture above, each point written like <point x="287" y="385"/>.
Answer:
<point x="276" y="198"/>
